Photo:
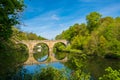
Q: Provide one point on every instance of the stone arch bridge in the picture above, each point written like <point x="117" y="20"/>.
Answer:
<point x="50" y="43"/>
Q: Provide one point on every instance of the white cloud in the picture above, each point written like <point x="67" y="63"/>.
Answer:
<point x="55" y="17"/>
<point x="50" y="24"/>
<point x="45" y="26"/>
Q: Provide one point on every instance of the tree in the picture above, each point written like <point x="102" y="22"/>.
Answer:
<point x="93" y="20"/>
<point x="32" y="36"/>
<point x="80" y="42"/>
<point x="106" y="21"/>
<point x="50" y="73"/>
<point x="70" y="33"/>
<point x="9" y="16"/>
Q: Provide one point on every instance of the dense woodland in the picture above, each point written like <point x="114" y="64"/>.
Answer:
<point x="100" y="36"/>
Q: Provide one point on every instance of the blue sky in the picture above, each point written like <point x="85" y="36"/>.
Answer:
<point x="49" y="18"/>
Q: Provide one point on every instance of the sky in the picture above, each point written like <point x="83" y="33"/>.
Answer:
<point x="49" y="18"/>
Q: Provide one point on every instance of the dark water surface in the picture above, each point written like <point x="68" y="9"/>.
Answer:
<point x="97" y="65"/>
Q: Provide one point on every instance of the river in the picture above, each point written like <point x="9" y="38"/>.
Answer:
<point x="94" y="65"/>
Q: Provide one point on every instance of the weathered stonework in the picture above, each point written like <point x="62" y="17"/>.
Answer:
<point x="50" y="43"/>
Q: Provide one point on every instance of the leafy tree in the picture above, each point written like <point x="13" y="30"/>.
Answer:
<point x="9" y="16"/>
<point x="106" y="21"/>
<point x="70" y="33"/>
<point x="101" y="36"/>
<point x="18" y="35"/>
<point x="93" y="20"/>
<point x="32" y="36"/>
<point x="102" y="45"/>
<point x="80" y="42"/>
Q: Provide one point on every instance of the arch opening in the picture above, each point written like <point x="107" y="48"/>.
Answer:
<point x="59" y="50"/>
<point x="23" y="52"/>
<point x="41" y="52"/>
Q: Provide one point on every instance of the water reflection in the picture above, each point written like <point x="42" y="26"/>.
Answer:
<point x="94" y="65"/>
<point x="60" y="55"/>
<point x="41" y="52"/>
<point x="43" y="58"/>
<point x="97" y="65"/>
<point x="36" y="68"/>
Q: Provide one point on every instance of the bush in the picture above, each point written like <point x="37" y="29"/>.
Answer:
<point x="50" y="73"/>
<point x="111" y="74"/>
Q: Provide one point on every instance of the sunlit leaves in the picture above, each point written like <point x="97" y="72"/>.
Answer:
<point x="80" y="42"/>
<point x="9" y="10"/>
<point x="93" y="20"/>
<point x="99" y="36"/>
<point x="111" y="74"/>
<point x="79" y="75"/>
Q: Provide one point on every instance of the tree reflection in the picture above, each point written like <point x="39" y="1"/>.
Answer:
<point x="41" y="52"/>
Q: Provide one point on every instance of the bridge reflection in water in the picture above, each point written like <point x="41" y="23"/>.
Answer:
<point x="50" y="43"/>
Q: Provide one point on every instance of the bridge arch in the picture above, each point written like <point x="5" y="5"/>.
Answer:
<point x="58" y="49"/>
<point x="31" y="43"/>
<point x="41" y="52"/>
<point x="23" y="52"/>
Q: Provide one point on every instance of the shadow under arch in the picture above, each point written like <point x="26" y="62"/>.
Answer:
<point x="41" y="52"/>
<point x="23" y="52"/>
<point x="58" y="50"/>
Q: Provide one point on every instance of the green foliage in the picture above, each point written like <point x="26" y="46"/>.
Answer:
<point x="70" y="33"/>
<point x="77" y="64"/>
<point x="93" y="20"/>
<point x="33" y="36"/>
<point x="59" y="50"/>
<point x="60" y="55"/>
<point x="50" y="73"/>
<point x="111" y="74"/>
<point x="80" y="42"/>
<point x="22" y="53"/>
<point x="20" y="35"/>
<point x="58" y="47"/>
<point x="101" y="36"/>
<point x="11" y="58"/>
<point x="9" y="16"/>
<point x="79" y="75"/>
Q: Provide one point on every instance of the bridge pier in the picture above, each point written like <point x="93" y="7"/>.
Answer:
<point x="51" y="55"/>
<point x="31" y="59"/>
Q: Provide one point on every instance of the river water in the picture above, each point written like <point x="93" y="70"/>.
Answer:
<point x="95" y="66"/>
<point x="33" y="68"/>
